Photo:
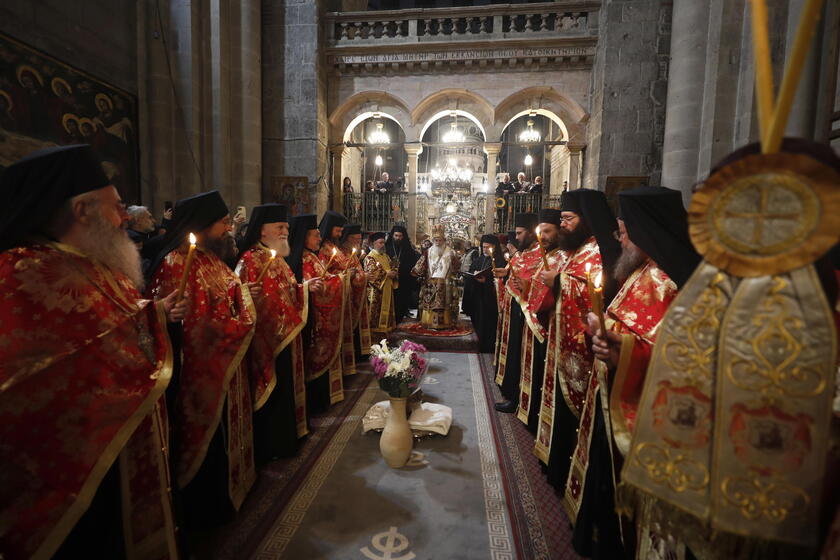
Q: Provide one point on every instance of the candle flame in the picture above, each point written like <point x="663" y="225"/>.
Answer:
<point x="273" y="253"/>
<point x="597" y="281"/>
<point x="588" y="267"/>
<point x="192" y="239"/>
<point x="537" y="231"/>
<point x="507" y="256"/>
<point x="354" y="251"/>
<point x="334" y="251"/>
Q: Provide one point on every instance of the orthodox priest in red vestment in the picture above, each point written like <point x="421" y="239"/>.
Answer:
<point x="356" y="343"/>
<point x="84" y="362"/>
<point x="322" y="336"/>
<point x="212" y="411"/>
<point x="331" y="228"/>
<point x="657" y="257"/>
<point x="275" y="358"/>
<point x="589" y="227"/>
<point x="733" y="432"/>
<point x="538" y="311"/>
<point x="522" y="265"/>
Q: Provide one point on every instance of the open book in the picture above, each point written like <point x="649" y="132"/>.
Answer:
<point x="487" y="272"/>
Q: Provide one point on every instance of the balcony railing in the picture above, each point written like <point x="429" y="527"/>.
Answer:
<point x="375" y="211"/>
<point x="508" y="21"/>
<point x="509" y="205"/>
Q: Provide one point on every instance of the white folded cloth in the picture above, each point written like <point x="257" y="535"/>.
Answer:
<point x="425" y="419"/>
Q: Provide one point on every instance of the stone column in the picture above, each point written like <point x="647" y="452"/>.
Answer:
<point x="413" y="150"/>
<point x="337" y="154"/>
<point x="575" y="153"/>
<point x="492" y="150"/>
<point x="803" y="112"/>
<point x="684" y="110"/>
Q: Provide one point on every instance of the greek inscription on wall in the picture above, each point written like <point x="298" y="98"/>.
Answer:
<point x="464" y="55"/>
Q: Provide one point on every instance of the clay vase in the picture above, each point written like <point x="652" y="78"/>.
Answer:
<point x="396" y="441"/>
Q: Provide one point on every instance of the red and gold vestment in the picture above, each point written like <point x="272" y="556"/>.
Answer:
<point x="380" y="292"/>
<point x="326" y="313"/>
<point x="537" y="307"/>
<point x="217" y="332"/>
<point x="635" y="312"/>
<point x="281" y="317"/>
<point x="84" y="362"/>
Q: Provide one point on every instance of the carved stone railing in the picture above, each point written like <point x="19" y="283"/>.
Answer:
<point x="500" y="21"/>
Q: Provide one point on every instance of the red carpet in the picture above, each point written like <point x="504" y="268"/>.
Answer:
<point x="463" y="328"/>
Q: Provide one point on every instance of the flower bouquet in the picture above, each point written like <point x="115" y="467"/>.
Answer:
<point x="399" y="370"/>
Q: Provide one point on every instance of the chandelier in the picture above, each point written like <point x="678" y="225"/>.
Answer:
<point x="529" y="134"/>
<point x="454" y="135"/>
<point x="451" y="172"/>
<point x="379" y="136"/>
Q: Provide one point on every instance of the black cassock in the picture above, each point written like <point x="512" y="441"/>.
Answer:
<point x="403" y="295"/>
<point x="481" y="304"/>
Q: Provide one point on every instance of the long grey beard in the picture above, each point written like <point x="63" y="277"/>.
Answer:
<point x="436" y="252"/>
<point x="281" y="246"/>
<point x="112" y="247"/>
<point x="628" y="262"/>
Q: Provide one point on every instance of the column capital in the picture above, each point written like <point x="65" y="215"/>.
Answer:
<point x="413" y="148"/>
<point x="575" y="148"/>
<point x="492" y="148"/>
<point x="338" y="149"/>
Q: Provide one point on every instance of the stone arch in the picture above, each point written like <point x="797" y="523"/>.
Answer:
<point x="364" y="104"/>
<point x="547" y="101"/>
<point x="447" y="100"/>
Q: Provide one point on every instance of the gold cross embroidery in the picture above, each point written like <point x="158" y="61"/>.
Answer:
<point x="761" y="215"/>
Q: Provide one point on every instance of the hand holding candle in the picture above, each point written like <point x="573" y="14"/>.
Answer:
<point x="190" y="256"/>
<point x="267" y="264"/>
<point x="542" y="249"/>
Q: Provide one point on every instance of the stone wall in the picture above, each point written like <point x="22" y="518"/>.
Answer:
<point x="294" y="141"/>
<point x="96" y="36"/>
<point x="627" y="91"/>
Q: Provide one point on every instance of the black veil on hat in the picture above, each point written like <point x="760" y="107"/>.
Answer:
<point x="657" y="223"/>
<point x="299" y="226"/>
<point x="397" y="228"/>
<point x="34" y="187"/>
<point x="190" y="215"/>
<point x="592" y="207"/>
<point x="350" y="229"/>
<point x="262" y="214"/>
<point x="329" y="220"/>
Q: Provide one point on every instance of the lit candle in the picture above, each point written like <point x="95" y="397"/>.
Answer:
<point x="329" y="262"/>
<point x="598" y="305"/>
<point x="507" y="257"/>
<point x="350" y="260"/>
<point x="793" y="69"/>
<point x="763" y="68"/>
<point x="590" y="289"/>
<point x="190" y="256"/>
<point x="539" y="240"/>
<point x="267" y="264"/>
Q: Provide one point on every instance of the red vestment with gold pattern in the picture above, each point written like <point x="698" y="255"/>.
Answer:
<point x="326" y="315"/>
<point x="217" y="332"/>
<point x="84" y="362"/>
<point x="356" y="318"/>
<point x="569" y="358"/>
<point x="281" y="317"/>
<point x="537" y="308"/>
<point x="636" y="312"/>
<point x="522" y="266"/>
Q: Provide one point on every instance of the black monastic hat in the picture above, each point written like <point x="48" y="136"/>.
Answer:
<point x="657" y="223"/>
<point x="525" y="220"/>
<point x="33" y="188"/>
<point x="190" y="215"/>
<point x="263" y="214"/>
<point x="376" y="235"/>
<point x="329" y="220"/>
<point x="299" y="226"/>
<point x="550" y="216"/>
<point x="350" y="229"/>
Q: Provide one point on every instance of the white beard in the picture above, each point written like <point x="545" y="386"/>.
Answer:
<point x="112" y="247"/>
<point x="440" y="259"/>
<point x="281" y="246"/>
